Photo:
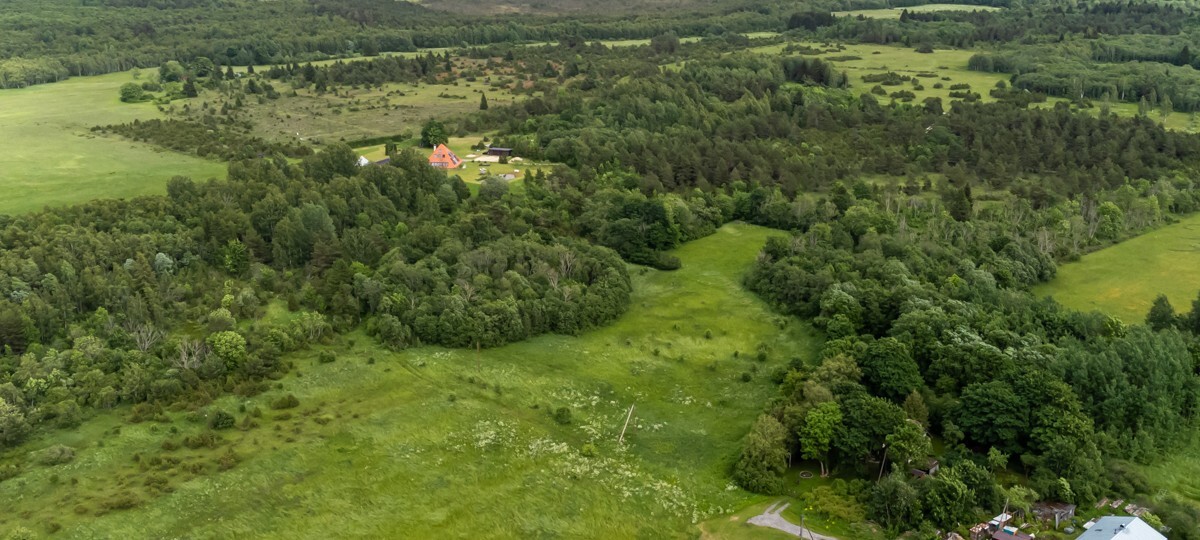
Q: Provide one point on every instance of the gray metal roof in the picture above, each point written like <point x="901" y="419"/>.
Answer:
<point x="1121" y="528"/>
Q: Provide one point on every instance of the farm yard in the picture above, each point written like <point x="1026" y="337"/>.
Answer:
<point x="385" y="443"/>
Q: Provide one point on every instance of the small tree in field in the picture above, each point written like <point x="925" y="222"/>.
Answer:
<point x="1161" y="315"/>
<point x="132" y="93"/>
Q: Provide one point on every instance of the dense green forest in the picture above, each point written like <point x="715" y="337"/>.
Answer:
<point x="910" y="232"/>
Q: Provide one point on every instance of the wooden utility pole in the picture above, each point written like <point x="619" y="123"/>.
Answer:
<point x="621" y="439"/>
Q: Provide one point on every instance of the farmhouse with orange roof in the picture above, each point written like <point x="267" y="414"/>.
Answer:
<point x="443" y="158"/>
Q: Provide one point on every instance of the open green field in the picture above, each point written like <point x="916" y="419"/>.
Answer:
<point x="1124" y="279"/>
<point x="944" y="66"/>
<point x="50" y="158"/>
<point x="455" y="443"/>
<point x="357" y="113"/>
<point x="894" y="13"/>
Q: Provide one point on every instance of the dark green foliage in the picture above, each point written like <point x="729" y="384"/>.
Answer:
<point x="1162" y="316"/>
<point x="889" y="370"/>
<point x="433" y="134"/>
<point x="209" y="139"/>
<point x="206" y="439"/>
<point x="763" y="460"/>
<point x="896" y="503"/>
<point x="219" y="419"/>
<point x="132" y="93"/>
<point x="285" y="402"/>
<point x="562" y="415"/>
<point x="56" y="455"/>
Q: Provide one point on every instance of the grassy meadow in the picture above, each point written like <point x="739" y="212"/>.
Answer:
<point x="356" y="113"/>
<point x="457" y="443"/>
<point x="1123" y="280"/>
<point x="894" y="13"/>
<point x="945" y="66"/>
<point x="50" y="157"/>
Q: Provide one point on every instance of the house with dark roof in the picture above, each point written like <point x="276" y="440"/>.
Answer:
<point x="1121" y="528"/>
<point x="497" y="151"/>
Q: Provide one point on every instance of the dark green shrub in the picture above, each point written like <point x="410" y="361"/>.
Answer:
<point x="286" y="402"/>
<point x="221" y="420"/>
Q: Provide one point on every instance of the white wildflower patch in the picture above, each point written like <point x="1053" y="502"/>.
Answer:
<point x="493" y="433"/>
<point x="545" y="447"/>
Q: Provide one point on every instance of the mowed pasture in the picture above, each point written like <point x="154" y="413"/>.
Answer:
<point x="50" y="158"/>
<point x="457" y="443"/>
<point x="894" y="13"/>
<point x="1123" y="280"/>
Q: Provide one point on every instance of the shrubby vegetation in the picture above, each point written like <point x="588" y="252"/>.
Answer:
<point x="89" y="319"/>
<point x="915" y="230"/>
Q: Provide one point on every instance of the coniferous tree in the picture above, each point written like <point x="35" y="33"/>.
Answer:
<point x="1161" y="315"/>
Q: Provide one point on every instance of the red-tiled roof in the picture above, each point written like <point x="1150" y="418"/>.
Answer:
<point x="443" y="157"/>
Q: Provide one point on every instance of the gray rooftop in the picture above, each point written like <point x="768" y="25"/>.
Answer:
<point x="1121" y="528"/>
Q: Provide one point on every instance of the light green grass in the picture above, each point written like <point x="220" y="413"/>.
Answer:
<point x="357" y="113"/>
<point x="875" y="59"/>
<point x="1123" y="280"/>
<point x="950" y="67"/>
<point x="894" y="13"/>
<point x="49" y="158"/>
<point x="398" y="458"/>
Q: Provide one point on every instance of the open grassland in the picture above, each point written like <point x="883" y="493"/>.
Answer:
<point x="943" y="66"/>
<point x="356" y="113"/>
<point x="456" y="443"/>
<point x="1124" y="279"/>
<point x="49" y="157"/>
<point x="894" y="13"/>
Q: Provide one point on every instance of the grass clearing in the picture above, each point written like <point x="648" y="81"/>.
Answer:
<point x="51" y="158"/>
<point x="894" y="13"/>
<point x="1123" y="280"/>
<point x="456" y="443"/>
<point x="356" y="113"/>
<point x="1179" y="472"/>
<point x="943" y="66"/>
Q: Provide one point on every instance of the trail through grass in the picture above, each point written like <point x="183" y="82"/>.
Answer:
<point x="50" y="157"/>
<point x="459" y="444"/>
<point x="1123" y="280"/>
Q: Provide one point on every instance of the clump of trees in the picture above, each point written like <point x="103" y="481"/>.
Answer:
<point x="90" y="319"/>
